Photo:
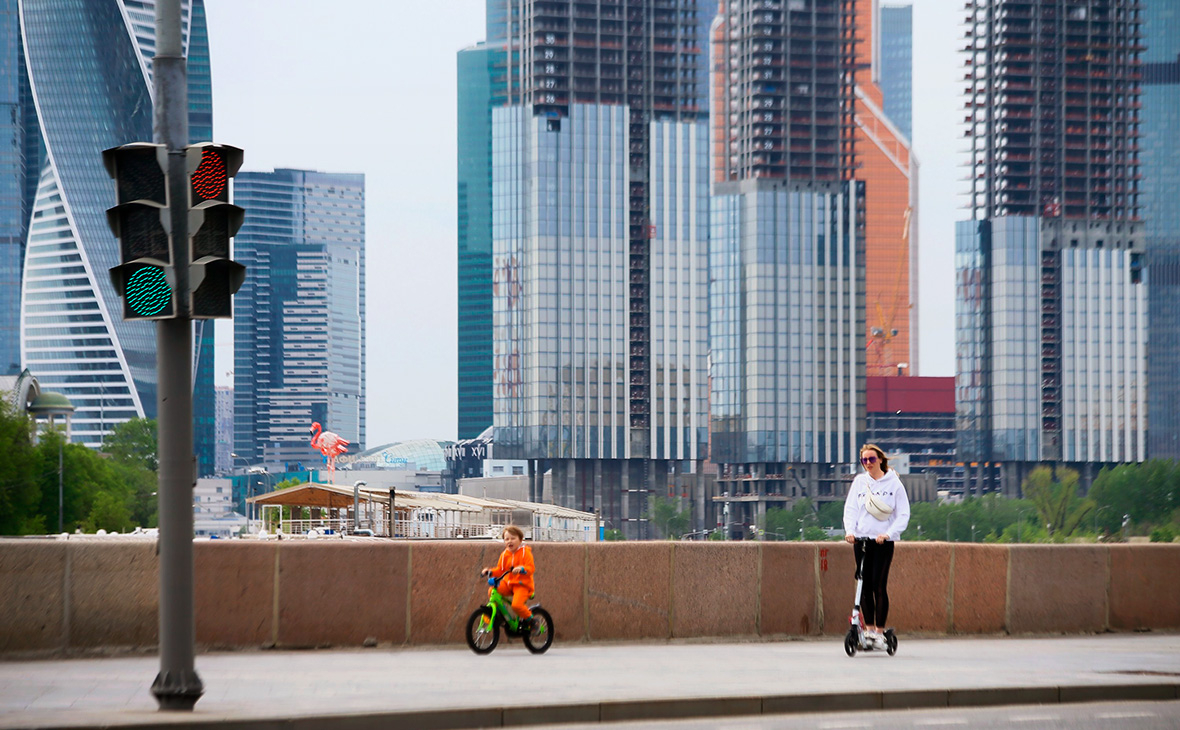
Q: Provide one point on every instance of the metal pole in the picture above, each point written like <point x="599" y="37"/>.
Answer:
<point x="177" y="686"/>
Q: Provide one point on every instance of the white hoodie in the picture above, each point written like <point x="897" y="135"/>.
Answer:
<point x="858" y="521"/>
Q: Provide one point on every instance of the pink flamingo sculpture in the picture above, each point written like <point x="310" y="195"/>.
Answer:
<point x="330" y="445"/>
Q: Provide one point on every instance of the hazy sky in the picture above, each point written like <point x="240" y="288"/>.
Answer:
<point x="368" y="86"/>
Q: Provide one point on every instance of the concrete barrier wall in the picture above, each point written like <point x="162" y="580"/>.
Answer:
<point x="82" y="595"/>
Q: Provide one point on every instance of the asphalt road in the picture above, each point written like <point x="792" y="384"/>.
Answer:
<point x="1087" y="716"/>
<point x="737" y="682"/>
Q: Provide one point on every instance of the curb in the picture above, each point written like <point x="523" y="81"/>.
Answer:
<point x="651" y="709"/>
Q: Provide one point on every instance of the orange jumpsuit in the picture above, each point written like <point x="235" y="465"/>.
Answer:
<point x="519" y="587"/>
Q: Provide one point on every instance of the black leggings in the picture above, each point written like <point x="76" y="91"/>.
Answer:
<point x="874" y="596"/>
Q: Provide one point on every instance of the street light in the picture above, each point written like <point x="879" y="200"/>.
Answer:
<point x="948" y="522"/>
<point x="1020" y="513"/>
<point x="258" y="470"/>
<point x="1096" y="513"/>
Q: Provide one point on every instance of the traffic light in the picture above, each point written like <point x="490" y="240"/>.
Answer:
<point x="212" y="221"/>
<point x="140" y="220"/>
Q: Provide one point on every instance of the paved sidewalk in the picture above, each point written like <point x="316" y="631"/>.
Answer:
<point x="454" y="688"/>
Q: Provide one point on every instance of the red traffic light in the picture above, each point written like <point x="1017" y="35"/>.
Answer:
<point x="210" y="166"/>
<point x="210" y="178"/>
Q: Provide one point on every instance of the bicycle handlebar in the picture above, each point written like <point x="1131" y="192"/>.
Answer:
<point x="493" y="580"/>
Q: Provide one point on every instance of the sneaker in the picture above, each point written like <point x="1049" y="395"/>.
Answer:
<point x="879" y="642"/>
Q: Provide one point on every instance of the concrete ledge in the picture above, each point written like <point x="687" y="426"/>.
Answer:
<point x="1120" y="692"/>
<point x="1003" y="696"/>
<point x="911" y="699"/>
<point x="679" y="709"/>
<point x="551" y="714"/>
<point x="831" y="702"/>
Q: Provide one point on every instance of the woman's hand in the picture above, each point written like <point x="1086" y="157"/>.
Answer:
<point x="881" y="539"/>
<point x="485" y="572"/>
<point x="850" y="538"/>
<point x="521" y="570"/>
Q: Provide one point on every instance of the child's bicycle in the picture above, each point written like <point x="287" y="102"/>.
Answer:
<point x="483" y="628"/>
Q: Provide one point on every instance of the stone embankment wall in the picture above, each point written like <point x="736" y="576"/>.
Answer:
<point x="78" y="595"/>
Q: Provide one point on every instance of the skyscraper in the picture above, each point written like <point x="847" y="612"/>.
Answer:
<point x="1051" y="301"/>
<point x="787" y="255"/>
<point x="599" y="241"/>
<point x="299" y="334"/>
<point x="89" y="64"/>
<point x="19" y="161"/>
<point x="487" y="79"/>
<point x="482" y="86"/>
<point x="889" y="170"/>
<point x="896" y="64"/>
<point x="1161" y="217"/>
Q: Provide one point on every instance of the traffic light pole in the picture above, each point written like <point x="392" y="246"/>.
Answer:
<point x="177" y="686"/>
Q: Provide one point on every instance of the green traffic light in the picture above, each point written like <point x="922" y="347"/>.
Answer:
<point x="147" y="292"/>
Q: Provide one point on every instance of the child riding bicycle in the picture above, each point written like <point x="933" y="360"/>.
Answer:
<point x="517" y="562"/>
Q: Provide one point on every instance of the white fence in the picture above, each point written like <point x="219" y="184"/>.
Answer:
<point x="418" y="529"/>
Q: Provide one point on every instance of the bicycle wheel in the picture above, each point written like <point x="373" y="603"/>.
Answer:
<point x="482" y="633"/>
<point x="540" y="638"/>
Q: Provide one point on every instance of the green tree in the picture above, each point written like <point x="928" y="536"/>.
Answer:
<point x="1148" y="493"/>
<point x="790" y="524"/>
<point x="19" y="490"/>
<point x="134" y="442"/>
<point x="107" y="513"/>
<point x="1056" y="500"/>
<point x="669" y="520"/>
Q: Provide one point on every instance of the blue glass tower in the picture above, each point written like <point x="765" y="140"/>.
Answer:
<point x="299" y="337"/>
<point x="897" y="65"/>
<point x="89" y="68"/>
<point x="481" y="87"/>
<point x="14" y="173"/>
<point x="1160" y="163"/>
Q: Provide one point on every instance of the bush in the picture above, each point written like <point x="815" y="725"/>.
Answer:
<point x="1164" y="533"/>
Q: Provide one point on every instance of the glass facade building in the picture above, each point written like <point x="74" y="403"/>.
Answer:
<point x="597" y="214"/>
<point x="787" y="261"/>
<point x="1160" y="164"/>
<point x="786" y="313"/>
<point x="299" y="334"/>
<point x="896" y="64"/>
<point x="564" y="368"/>
<point x="1051" y="310"/>
<point x="1008" y="383"/>
<point x="491" y="75"/>
<point x="481" y="88"/>
<point x="16" y="114"/>
<point x="88" y="64"/>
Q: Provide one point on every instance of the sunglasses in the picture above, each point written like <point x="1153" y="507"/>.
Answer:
<point x="868" y="460"/>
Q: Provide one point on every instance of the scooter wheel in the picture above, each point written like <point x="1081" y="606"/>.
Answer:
<point x="850" y="643"/>
<point x="890" y="642"/>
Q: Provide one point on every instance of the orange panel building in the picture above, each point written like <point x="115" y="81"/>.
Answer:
<point x="890" y="171"/>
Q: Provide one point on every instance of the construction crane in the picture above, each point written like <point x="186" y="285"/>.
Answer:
<point x="883" y="328"/>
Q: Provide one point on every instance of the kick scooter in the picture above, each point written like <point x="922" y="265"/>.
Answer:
<point x="855" y="639"/>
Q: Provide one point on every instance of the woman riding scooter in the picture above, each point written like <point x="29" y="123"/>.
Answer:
<point x="878" y="509"/>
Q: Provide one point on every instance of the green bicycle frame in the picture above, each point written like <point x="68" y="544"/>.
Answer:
<point x="502" y="607"/>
